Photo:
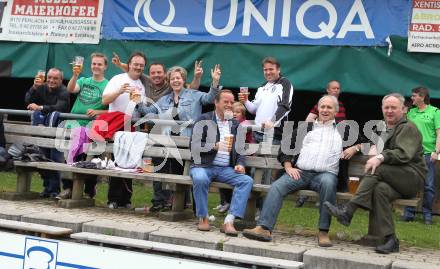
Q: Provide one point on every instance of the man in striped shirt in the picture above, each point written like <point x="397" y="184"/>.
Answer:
<point x="315" y="167"/>
<point x="215" y="158"/>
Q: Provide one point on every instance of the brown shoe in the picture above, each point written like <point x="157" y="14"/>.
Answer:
<point x="229" y="229"/>
<point x="258" y="233"/>
<point x="324" y="240"/>
<point x="204" y="225"/>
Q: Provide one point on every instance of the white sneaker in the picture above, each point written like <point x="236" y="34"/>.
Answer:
<point x="224" y="208"/>
<point x="113" y="205"/>
<point x="217" y="207"/>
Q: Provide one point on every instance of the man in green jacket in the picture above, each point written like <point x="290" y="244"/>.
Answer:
<point x="398" y="172"/>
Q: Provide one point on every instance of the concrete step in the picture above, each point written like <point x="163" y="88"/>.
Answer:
<point x="188" y="251"/>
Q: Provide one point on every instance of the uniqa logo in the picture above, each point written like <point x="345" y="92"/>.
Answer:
<point x="143" y="7"/>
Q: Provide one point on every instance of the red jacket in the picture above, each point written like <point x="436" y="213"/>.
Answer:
<point x="107" y="124"/>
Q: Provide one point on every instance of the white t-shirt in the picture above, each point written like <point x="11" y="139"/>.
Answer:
<point x="122" y="103"/>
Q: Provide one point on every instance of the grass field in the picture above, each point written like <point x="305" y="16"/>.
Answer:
<point x="292" y="220"/>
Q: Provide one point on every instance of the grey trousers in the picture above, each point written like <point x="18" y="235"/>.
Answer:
<point x="377" y="191"/>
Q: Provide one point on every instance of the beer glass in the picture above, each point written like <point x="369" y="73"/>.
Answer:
<point x="353" y="184"/>
<point x="78" y="61"/>
<point x="41" y="74"/>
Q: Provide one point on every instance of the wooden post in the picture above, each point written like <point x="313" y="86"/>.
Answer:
<point x="78" y="187"/>
<point x="24" y="177"/>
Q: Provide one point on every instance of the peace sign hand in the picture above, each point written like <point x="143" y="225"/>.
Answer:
<point x="216" y="74"/>
<point x="198" y="69"/>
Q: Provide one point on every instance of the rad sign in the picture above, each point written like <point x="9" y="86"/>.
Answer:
<point x="424" y="30"/>
<point x="310" y="22"/>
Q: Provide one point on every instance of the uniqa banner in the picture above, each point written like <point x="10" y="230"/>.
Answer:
<point x="310" y="22"/>
<point x="424" y="30"/>
<point x="53" y="21"/>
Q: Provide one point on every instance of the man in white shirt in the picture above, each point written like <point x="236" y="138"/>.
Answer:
<point x="271" y="106"/>
<point x="273" y="100"/>
<point x="117" y="92"/>
<point x="315" y="167"/>
<point x="117" y="96"/>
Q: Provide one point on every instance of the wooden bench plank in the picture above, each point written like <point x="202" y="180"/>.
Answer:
<point x="180" y="179"/>
<point x="188" y="251"/>
<point x="33" y="227"/>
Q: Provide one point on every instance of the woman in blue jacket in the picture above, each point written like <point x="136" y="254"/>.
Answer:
<point x="181" y="104"/>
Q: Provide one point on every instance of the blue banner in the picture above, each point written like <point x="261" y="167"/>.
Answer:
<point x="306" y="22"/>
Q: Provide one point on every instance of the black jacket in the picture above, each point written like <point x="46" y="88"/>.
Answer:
<point x="199" y="139"/>
<point x="56" y="100"/>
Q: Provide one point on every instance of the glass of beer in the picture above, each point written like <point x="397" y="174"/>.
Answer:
<point x="244" y="92"/>
<point x="229" y="140"/>
<point x="147" y="164"/>
<point x="78" y="61"/>
<point x="135" y="92"/>
<point x="353" y="184"/>
<point x="41" y="74"/>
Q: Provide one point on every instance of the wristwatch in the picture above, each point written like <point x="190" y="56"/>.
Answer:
<point x="380" y="157"/>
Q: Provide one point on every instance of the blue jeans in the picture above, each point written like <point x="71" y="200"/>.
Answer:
<point x="322" y="182"/>
<point x="428" y="194"/>
<point x="51" y="179"/>
<point x="202" y="177"/>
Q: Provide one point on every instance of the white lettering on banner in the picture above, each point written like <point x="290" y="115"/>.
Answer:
<point x="153" y="25"/>
<point x="251" y="11"/>
<point x="55" y="1"/>
<point x="326" y="29"/>
<point x="70" y="11"/>
<point x="265" y="21"/>
<point x="231" y="21"/>
<point x="347" y="26"/>
<point x="285" y="23"/>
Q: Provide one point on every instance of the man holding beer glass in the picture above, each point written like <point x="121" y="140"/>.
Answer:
<point x="214" y="156"/>
<point x="46" y="99"/>
<point x="271" y="106"/>
<point x="121" y="94"/>
<point x="89" y="102"/>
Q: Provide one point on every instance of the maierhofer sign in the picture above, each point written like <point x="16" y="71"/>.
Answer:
<point x="55" y="21"/>
<point x="424" y="29"/>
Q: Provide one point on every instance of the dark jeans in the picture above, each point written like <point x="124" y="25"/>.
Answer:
<point x="120" y="190"/>
<point x="161" y="196"/>
<point x="428" y="194"/>
<point x="225" y="196"/>
<point x="51" y="179"/>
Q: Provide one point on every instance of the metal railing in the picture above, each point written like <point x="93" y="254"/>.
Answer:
<point x="150" y="121"/>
